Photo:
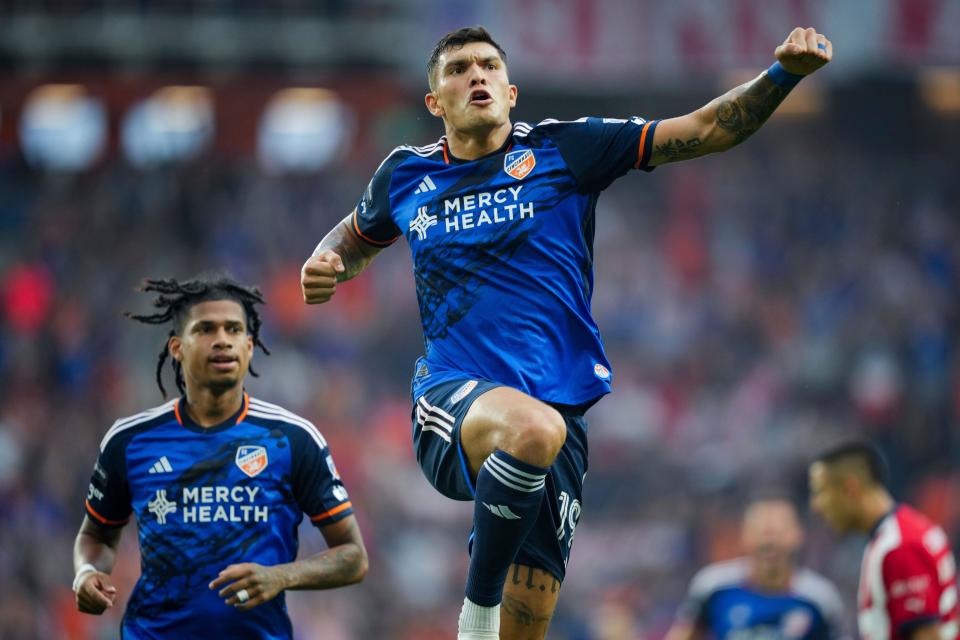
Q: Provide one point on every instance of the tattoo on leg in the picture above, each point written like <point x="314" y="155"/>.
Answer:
<point x="537" y="579"/>
<point x="522" y="612"/>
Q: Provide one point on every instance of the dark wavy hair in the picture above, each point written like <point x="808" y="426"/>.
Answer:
<point x="174" y="304"/>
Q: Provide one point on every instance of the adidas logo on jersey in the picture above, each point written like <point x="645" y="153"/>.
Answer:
<point x="426" y="185"/>
<point x="502" y="511"/>
<point x="161" y="466"/>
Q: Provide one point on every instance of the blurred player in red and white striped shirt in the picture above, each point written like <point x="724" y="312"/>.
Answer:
<point x="908" y="584"/>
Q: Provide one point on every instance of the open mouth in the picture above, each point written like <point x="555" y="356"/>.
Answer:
<point x="480" y="98"/>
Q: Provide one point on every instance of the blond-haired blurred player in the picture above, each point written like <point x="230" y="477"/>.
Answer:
<point x="763" y="594"/>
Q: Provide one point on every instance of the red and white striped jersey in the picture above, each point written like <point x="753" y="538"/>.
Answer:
<point x="907" y="579"/>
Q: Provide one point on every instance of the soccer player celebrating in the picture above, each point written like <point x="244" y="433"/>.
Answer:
<point x="500" y="218"/>
<point x="218" y="482"/>
<point x="762" y="594"/>
<point x="908" y="582"/>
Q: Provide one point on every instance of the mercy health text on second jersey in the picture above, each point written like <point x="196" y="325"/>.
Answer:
<point x="206" y="498"/>
<point x="503" y="251"/>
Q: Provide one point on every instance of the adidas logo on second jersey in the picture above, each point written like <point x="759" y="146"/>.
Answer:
<point x="161" y="466"/>
<point x="426" y="185"/>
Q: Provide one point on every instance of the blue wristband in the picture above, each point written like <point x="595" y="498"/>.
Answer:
<point x="782" y="77"/>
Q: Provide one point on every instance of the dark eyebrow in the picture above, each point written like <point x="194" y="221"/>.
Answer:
<point x="209" y="323"/>
<point x="465" y="59"/>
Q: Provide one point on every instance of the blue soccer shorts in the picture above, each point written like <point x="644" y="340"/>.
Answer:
<point x="437" y="416"/>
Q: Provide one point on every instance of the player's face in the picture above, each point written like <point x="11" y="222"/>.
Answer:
<point x="771" y="530"/>
<point x="214" y="347"/>
<point x="829" y="498"/>
<point x="471" y="91"/>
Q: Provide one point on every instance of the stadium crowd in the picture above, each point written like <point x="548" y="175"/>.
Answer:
<point x="754" y="306"/>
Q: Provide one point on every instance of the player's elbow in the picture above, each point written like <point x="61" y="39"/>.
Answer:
<point x="359" y="563"/>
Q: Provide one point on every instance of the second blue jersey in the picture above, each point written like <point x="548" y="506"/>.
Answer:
<point x="723" y="602"/>
<point x="208" y="497"/>
<point x="503" y="252"/>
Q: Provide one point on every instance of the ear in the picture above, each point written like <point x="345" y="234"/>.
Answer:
<point x="175" y="347"/>
<point x="512" y="95"/>
<point x="433" y="105"/>
<point x="249" y="346"/>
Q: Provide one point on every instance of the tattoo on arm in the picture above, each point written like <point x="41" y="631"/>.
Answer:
<point x="355" y="253"/>
<point x="333" y="568"/>
<point x="741" y="111"/>
<point x="677" y="149"/>
<point x="336" y="567"/>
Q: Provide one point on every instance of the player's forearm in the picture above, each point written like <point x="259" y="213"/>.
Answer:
<point x="739" y="113"/>
<point x="721" y="124"/>
<point x="355" y="253"/>
<point x="336" y="567"/>
<point x="97" y="550"/>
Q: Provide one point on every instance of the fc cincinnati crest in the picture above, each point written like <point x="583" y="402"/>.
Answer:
<point x="251" y="459"/>
<point x="518" y="164"/>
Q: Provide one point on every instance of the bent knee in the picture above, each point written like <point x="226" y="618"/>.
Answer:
<point x="538" y="435"/>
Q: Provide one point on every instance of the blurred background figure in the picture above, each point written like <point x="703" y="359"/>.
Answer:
<point x="763" y="594"/>
<point x="746" y="327"/>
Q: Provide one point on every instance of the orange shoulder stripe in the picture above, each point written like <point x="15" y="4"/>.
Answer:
<point x="101" y="519"/>
<point x="643" y="140"/>
<point x="377" y="243"/>
<point x="332" y="512"/>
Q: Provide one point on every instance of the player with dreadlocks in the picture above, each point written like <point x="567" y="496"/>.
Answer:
<point x="218" y="482"/>
<point x="175" y="299"/>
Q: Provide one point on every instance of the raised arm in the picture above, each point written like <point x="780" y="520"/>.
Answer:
<point x="341" y="255"/>
<point x="733" y="117"/>
<point x="94" y="554"/>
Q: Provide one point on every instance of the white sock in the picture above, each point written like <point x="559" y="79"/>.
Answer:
<point x="478" y="623"/>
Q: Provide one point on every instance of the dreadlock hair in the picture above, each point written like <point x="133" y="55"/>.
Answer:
<point x="177" y="298"/>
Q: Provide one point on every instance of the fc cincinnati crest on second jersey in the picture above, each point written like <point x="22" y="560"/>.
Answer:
<point x="518" y="164"/>
<point x="251" y="459"/>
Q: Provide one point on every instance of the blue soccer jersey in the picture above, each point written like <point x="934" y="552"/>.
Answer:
<point x="503" y="251"/>
<point x="723" y="602"/>
<point x="206" y="498"/>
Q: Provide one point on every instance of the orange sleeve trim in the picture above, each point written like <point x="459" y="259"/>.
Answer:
<point x="332" y="512"/>
<point x="101" y="519"/>
<point x="378" y="243"/>
<point x="246" y="407"/>
<point x="643" y="140"/>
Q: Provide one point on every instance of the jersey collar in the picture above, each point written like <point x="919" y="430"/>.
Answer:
<point x="876" y="527"/>
<point x="183" y="417"/>
<point x="449" y="158"/>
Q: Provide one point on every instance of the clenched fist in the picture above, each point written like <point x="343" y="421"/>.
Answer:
<point x="95" y="593"/>
<point x="804" y="51"/>
<point x="318" y="278"/>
